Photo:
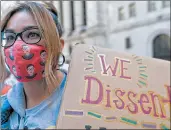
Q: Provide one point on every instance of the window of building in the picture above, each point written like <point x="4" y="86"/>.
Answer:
<point x="132" y="10"/>
<point x="17" y="2"/>
<point x="165" y="4"/>
<point x="161" y="47"/>
<point x="128" y="43"/>
<point x="84" y="12"/>
<point x="50" y="1"/>
<point x="70" y="49"/>
<point x="72" y="16"/>
<point x="121" y="13"/>
<point x="151" y="6"/>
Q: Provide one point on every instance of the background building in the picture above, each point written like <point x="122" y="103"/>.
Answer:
<point x="139" y="27"/>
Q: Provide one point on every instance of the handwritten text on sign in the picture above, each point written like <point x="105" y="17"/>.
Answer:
<point x="140" y="102"/>
<point x="115" y="90"/>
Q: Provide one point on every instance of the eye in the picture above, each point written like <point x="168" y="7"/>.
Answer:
<point x="33" y="35"/>
<point x="10" y="38"/>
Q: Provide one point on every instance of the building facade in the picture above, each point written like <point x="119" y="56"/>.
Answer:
<point x="141" y="27"/>
<point x="138" y="27"/>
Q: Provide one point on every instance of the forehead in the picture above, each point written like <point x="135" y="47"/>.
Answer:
<point x="20" y="20"/>
<point x="30" y="67"/>
<point x="43" y="52"/>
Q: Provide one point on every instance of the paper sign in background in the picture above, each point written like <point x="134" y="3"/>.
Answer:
<point x="109" y="90"/>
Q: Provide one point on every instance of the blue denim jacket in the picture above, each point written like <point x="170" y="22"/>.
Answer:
<point x="6" y="111"/>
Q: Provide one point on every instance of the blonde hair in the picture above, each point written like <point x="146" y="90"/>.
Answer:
<point x="3" y="71"/>
<point x="41" y="12"/>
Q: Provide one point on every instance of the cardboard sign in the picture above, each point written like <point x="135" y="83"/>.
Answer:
<point x="111" y="90"/>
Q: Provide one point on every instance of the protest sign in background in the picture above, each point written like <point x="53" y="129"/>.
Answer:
<point x="107" y="89"/>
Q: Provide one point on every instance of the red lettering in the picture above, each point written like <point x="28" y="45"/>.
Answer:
<point x="105" y="68"/>
<point x="117" y="101"/>
<point x="134" y="104"/>
<point x="153" y="97"/>
<point x="108" y="98"/>
<point x="168" y="100"/>
<point x="144" y="99"/>
<point x="88" y="94"/>
<point x="122" y="69"/>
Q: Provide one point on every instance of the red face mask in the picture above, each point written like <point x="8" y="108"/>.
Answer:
<point x="26" y="62"/>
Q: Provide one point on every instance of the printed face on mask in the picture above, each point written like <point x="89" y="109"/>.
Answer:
<point x="26" y="49"/>
<point x="30" y="70"/>
<point x="43" y="57"/>
<point x="11" y="56"/>
<point x="15" y="73"/>
<point x="25" y="53"/>
<point x="14" y="70"/>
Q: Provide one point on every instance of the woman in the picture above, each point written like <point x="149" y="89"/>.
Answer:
<point x="34" y="102"/>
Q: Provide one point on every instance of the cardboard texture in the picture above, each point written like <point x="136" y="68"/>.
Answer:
<point x="112" y="90"/>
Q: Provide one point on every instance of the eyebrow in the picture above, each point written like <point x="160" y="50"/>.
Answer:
<point x="24" y="29"/>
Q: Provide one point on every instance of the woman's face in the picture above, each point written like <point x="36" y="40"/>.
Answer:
<point x="14" y="71"/>
<point x="21" y="21"/>
<point x="43" y="56"/>
<point x="30" y="70"/>
<point x="26" y="49"/>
